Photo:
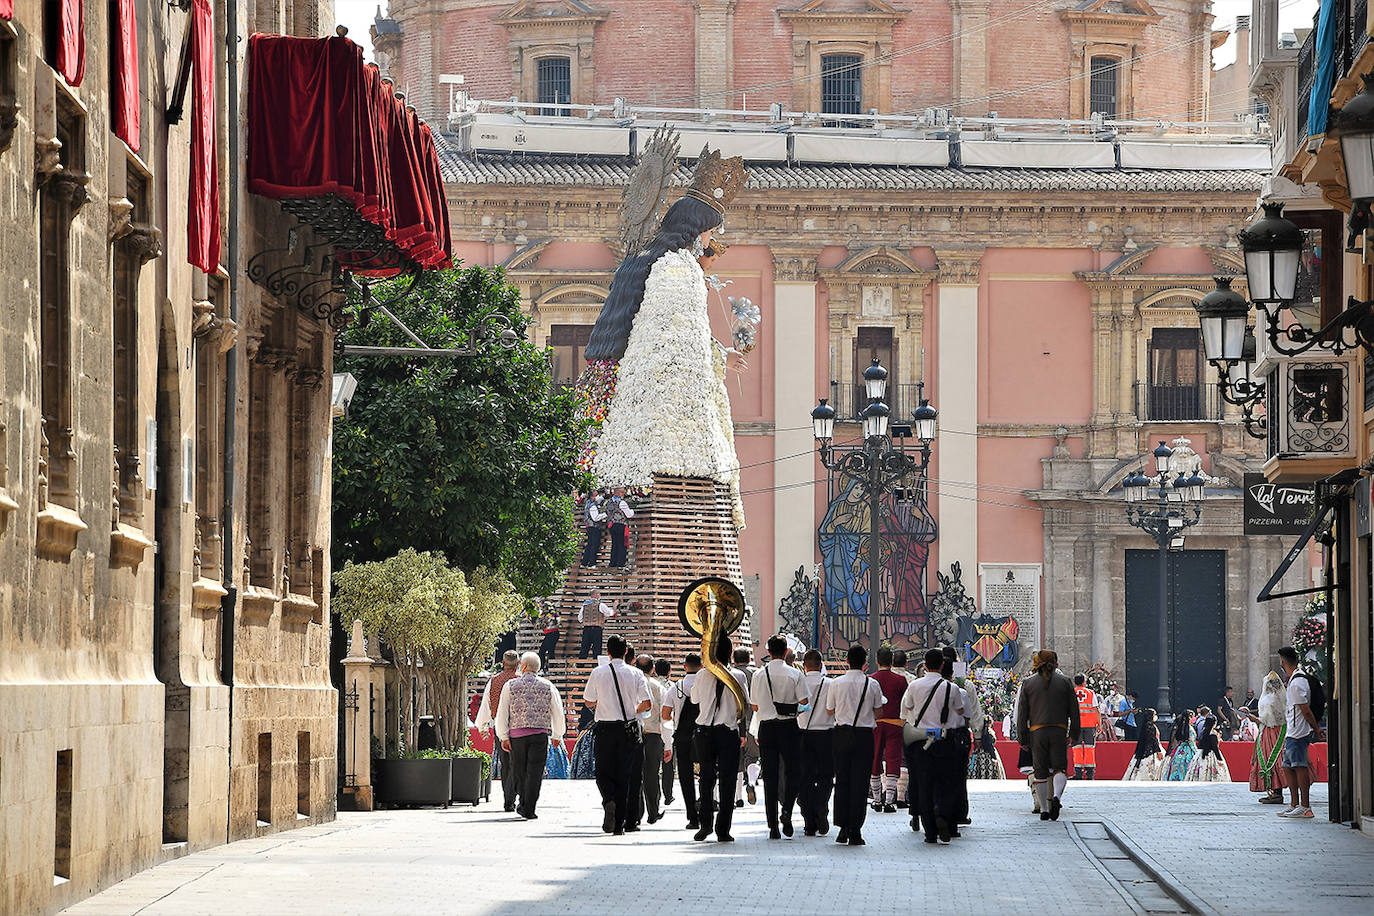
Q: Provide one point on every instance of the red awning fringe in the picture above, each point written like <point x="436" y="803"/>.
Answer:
<point x="321" y="122"/>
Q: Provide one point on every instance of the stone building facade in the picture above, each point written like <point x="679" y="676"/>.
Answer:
<point x="164" y="476"/>
<point x="1039" y="285"/>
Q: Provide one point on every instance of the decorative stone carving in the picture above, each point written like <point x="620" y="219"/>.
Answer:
<point x="121" y="211"/>
<point x="794" y="266"/>
<point x="960" y="267"/>
<point x="144" y="241"/>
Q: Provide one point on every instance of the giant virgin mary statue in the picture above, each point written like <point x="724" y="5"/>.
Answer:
<point x="656" y="377"/>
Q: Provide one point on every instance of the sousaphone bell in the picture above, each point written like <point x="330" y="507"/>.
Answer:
<point x="712" y="607"/>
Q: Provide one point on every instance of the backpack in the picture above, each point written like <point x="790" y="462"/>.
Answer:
<point x="1317" y="701"/>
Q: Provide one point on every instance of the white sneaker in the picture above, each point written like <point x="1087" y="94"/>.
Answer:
<point x="1303" y="812"/>
<point x="1291" y="812"/>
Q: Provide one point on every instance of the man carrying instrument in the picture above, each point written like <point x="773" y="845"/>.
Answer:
<point x="776" y="691"/>
<point x="618" y="694"/>
<point x="718" y="741"/>
<point x="853" y="698"/>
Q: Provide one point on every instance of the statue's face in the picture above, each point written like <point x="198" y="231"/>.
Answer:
<point x="705" y="238"/>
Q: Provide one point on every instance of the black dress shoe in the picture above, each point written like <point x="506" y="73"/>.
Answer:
<point x="617" y="832"/>
<point x="510" y="807"/>
<point x="774" y="834"/>
<point x="1044" y="815"/>
<point x="702" y="832"/>
<point x="608" y="822"/>
<point x="655" y="817"/>
<point x="632" y="828"/>
<point x="692" y="825"/>
<point x="1055" y="806"/>
<point x="930" y="839"/>
<point x="857" y="840"/>
<point x="901" y="804"/>
<point x="739" y="803"/>
<point x="965" y="821"/>
<point x="889" y="809"/>
<point x="724" y="838"/>
<point x="808" y="831"/>
<point x="942" y="829"/>
<point x="954" y="834"/>
<point x="843" y="837"/>
<point x="787" y="826"/>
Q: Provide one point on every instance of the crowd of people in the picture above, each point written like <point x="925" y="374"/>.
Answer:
<point x="830" y="749"/>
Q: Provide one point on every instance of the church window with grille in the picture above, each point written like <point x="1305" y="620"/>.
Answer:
<point x="841" y="84"/>
<point x="1102" y="86"/>
<point x="555" y="84"/>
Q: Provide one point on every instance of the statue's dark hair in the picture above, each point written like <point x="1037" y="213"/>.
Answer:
<point x="684" y="221"/>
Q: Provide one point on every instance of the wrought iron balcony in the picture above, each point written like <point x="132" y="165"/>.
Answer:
<point x="1177" y="402"/>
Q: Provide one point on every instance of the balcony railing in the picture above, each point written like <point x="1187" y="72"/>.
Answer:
<point x="1306" y="72"/>
<point x="1177" y="402"/>
<point x="849" y="400"/>
<point x="1352" y="35"/>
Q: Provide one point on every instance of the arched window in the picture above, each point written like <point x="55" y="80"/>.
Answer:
<point x="554" y="84"/>
<point x="1102" y="86"/>
<point x="841" y="84"/>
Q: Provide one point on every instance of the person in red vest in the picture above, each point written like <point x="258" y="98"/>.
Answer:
<point x="1085" y="750"/>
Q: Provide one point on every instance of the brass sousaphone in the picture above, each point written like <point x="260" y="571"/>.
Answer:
<point x="712" y="607"/>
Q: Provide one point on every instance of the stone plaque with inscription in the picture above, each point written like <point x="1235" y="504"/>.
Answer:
<point x="877" y="302"/>
<point x="1013" y="589"/>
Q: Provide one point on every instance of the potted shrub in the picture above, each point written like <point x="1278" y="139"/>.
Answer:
<point x="415" y="778"/>
<point x="471" y="775"/>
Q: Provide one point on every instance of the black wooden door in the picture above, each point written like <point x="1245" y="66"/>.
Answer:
<point x="1197" y="626"/>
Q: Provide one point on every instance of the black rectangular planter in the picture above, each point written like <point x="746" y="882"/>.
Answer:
<point x="426" y="781"/>
<point x="467" y="782"/>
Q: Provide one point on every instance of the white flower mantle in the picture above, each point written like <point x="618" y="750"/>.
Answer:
<point x="671" y="412"/>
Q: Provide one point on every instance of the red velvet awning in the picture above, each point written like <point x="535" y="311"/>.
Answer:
<point x="321" y="124"/>
<point x="202" y="220"/>
<point x="68" y="40"/>
<point x="123" y="72"/>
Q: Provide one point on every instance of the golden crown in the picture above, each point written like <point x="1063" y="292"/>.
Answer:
<point x="716" y="181"/>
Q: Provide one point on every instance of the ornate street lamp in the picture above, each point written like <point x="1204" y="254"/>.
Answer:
<point x="1240" y="387"/>
<point x="880" y="466"/>
<point x="1272" y="245"/>
<point x="1354" y="126"/>
<point x="1179" y="491"/>
<point x="1224" y="315"/>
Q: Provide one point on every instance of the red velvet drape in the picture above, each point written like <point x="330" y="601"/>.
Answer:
<point x="202" y="227"/>
<point x="320" y="123"/>
<point x="124" y="72"/>
<point x="69" y="40"/>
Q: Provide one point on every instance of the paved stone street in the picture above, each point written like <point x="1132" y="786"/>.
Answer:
<point x="1224" y="850"/>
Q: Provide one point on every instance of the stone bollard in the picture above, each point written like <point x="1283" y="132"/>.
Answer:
<point x="357" y="759"/>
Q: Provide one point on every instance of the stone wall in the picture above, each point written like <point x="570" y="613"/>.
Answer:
<point x="120" y="740"/>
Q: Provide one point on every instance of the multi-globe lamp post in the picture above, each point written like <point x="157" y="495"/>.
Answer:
<point x="1165" y="506"/>
<point x="880" y="464"/>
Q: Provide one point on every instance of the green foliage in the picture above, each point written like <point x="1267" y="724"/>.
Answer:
<point x="442" y="754"/>
<point x="439" y="622"/>
<point x="480" y="754"/>
<point x="472" y="456"/>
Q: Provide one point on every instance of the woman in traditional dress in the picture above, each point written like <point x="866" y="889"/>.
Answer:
<point x="654" y="373"/>
<point x="556" y="763"/>
<point x="1208" y="765"/>
<point x="1266" y="775"/>
<point x="1147" y="764"/>
<point x="1182" y="747"/>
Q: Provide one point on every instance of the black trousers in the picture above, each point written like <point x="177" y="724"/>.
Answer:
<point x="853" y="755"/>
<point x="528" y="755"/>
<point x="618" y="758"/>
<point x="591" y="642"/>
<point x="651" y="786"/>
<point x="932" y="794"/>
<point x="817" y="776"/>
<point x="963" y="740"/>
<point x="717" y="756"/>
<point x="619" y="548"/>
<point x="593" y="545"/>
<point x="547" y="646"/>
<point x="684" y="757"/>
<point x="780" y="750"/>
<point x="509" y="786"/>
<point x="668" y="776"/>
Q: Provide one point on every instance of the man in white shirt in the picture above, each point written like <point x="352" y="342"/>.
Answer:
<point x="667" y="770"/>
<point x="649" y="796"/>
<point x="529" y="715"/>
<point x="932" y="704"/>
<point x="617" y="693"/>
<point x="679" y="710"/>
<point x="817" y="751"/>
<point x="853" y="699"/>
<point x="717" y="746"/>
<point x="775" y="692"/>
<point x="1302" y="728"/>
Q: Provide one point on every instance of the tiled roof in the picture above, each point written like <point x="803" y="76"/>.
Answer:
<point x="535" y="169"/>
